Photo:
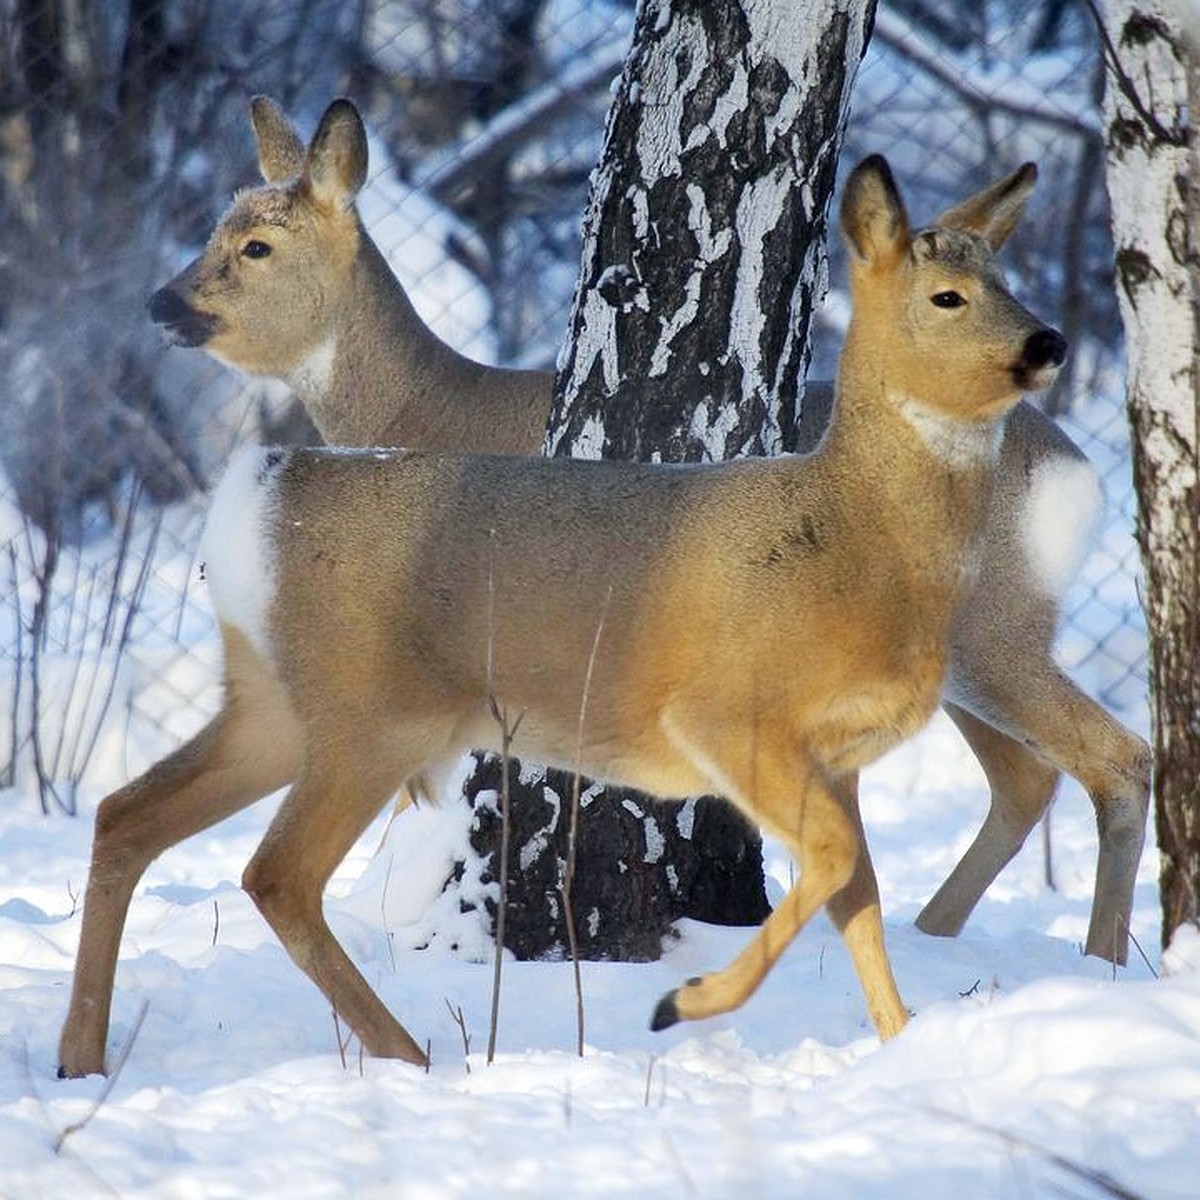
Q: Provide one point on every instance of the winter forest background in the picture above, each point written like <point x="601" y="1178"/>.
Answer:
<point x="123" y="134"/>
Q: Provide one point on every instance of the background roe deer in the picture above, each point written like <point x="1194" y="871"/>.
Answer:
<point x="291" y="286"/>
<point x="768" y="626"/>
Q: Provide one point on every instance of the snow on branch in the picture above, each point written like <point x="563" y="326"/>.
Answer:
<point x="1014" y="96"/>
<point x="444" y="174"/>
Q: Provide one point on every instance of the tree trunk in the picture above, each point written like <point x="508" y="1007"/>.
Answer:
<point x="1154" y="182"/>
<point x="702" y="263"/>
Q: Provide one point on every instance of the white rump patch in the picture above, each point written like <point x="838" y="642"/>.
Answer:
<point x="956" y="443"/>
<point x="1061" y="507"/>
<point x="237" y="549"/>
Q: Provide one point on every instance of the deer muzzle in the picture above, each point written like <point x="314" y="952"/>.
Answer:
<point x="1041" y="356"/>
<point x="185" y="325"/>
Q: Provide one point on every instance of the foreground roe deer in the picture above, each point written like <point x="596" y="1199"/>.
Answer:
<point x="764" y="628"/>
<point x="291" y="286"/>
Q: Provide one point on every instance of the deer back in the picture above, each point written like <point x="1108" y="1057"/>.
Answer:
<point x="814" y="590"/>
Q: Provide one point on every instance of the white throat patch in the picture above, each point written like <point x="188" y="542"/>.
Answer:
<point x="956" y="443"/>
<point x="313" y="376"/>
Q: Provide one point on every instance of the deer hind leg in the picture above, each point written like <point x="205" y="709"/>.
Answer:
<point x="819" y="822"/>
<point x="248" y="750"/>
<point x="347" y="779"/>
<point x="1037" y="706"/>
<point x="1022" y="786"/>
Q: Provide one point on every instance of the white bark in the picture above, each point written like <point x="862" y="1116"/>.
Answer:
<point x="1146" y="175"/>
<point x="1154" y="183"/>
<point x="784" y="40"/>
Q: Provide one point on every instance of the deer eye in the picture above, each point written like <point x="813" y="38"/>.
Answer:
<point x="947" y="299"/>
<point x="255" y="249"/>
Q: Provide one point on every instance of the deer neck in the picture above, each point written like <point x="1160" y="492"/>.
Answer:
<point x="926" y="479"/>
<point x="368" y="381"/>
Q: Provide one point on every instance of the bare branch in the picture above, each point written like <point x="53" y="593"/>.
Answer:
<point x="462" y="164"/>
<point x="506" y="735"/>
<point x="894" y="32"/>
<point x="568" y="878"/>
<point x="456" y="1014"/>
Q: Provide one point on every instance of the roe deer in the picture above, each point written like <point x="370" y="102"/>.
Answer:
<point x="291" y="285"/>
<point x="767" y="626"/>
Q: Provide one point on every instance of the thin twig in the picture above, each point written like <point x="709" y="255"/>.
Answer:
<point x="110" y="1083"/>
<point x="568" y="879"/>
<point x="9" y="775"/>
<point x="1048" y="851"/>
<point x="1106" y="1184"/>
<point x="44" y="576"/>
<point x="1138" y="947"/>
<point x="387" y="879"/>
<point x="124" y="638"/>
<point x="337" y="1037"/>
<point x="456" y="1015"/>
<point x="507" y="733"/>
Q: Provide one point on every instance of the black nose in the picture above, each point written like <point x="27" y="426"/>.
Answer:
<point x="166" y="308"/>
<point x="1046" y="348"/>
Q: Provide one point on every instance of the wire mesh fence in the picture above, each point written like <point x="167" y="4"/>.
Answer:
<point x="123" y="135"/>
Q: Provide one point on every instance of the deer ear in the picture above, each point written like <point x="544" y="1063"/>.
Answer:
<point x="280" y="150"/>
<point x="337" y="156"/>
<point x="993" y="213"/>
<point x="873" y="218"/>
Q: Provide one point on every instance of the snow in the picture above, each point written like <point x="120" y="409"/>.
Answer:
<point x="1026" y="1068"/>
<point x="1026" y="1063"/>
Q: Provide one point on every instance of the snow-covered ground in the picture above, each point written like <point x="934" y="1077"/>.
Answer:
<point x="1029" y="1070"/>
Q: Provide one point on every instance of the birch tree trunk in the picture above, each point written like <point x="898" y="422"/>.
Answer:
<point x="703" y="260"/>
<point x="1154" y="184"/>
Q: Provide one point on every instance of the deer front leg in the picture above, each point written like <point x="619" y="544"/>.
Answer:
<point x="818" y="820"/>
<point x="856" y="912"/>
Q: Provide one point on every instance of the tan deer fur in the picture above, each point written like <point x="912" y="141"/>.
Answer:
<point x="768" y="626"/>
<point x="323" y="312"/>
<point x="320" y="309"/>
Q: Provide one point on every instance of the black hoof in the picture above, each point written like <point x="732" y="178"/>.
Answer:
<point x="666" y="1014"/>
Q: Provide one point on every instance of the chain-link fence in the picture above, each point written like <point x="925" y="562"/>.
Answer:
<point x="123" y="134"/>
